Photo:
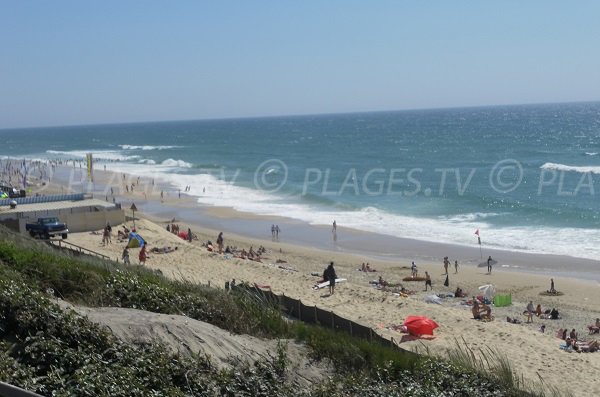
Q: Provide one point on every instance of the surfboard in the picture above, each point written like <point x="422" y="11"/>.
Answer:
<point x="484" y="263"/>
<point x="326" y="283"/>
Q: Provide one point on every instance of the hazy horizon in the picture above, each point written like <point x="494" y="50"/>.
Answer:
<point x="294" y="115"/>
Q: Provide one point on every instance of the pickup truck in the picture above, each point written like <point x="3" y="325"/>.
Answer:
<point x="47" y="227"/>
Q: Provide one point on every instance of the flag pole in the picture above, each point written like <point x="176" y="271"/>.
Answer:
<point x="479" y="242"/>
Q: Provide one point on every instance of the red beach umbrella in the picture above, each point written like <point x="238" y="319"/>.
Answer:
<point x="420" y="325"/>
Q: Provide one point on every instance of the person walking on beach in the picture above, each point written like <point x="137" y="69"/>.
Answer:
<point x="331" y="276"/>
<point x="220" y="242"/>
<point x="189" y="235"/>
<point x="273" y="231"/>
<point x="446" y="263"/>
<point x="428" y="281"/>
<point x="455" y="267"/>
<point x="413" y="269"/>
<point x="277" y="230"/>
<point x="489" y="263"/>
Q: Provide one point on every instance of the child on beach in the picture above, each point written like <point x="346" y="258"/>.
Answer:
<point x="142" y="256"/>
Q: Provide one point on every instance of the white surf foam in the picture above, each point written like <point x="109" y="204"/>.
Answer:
<point x="147" y="147"/>
<point x="214" y="190"/>
<point x="176" y="163"/>
<point x="110" y="155"/>
<point x="571" y="168"/>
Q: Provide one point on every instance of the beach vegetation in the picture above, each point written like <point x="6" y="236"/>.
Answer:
<point x="53" y="351"/>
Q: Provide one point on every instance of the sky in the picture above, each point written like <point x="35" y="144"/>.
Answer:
<point x="92" y="62"/>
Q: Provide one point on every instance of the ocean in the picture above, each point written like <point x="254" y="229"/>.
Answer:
<point x="527" y="177"/>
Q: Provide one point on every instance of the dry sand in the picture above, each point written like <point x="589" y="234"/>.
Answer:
<point x="533" y="354"/>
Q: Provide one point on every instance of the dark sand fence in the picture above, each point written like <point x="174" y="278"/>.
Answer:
<point x="315" y="315"/>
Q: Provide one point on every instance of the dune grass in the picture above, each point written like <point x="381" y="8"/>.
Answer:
<point x="363" y="367"/>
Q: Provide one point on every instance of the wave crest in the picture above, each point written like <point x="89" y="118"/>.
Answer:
<point x="571" y="168"/>
<point x="147" y="147"/>
<point x="176" y="163"/>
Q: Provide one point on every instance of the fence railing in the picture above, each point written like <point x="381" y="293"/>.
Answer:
<point x="61" y="244"/>
<point x="44" y="199"/>
<point x="314" y="315"/>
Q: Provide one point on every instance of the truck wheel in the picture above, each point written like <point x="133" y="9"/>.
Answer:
<point x="32" y="234"/>
<point x="64" y="236"/>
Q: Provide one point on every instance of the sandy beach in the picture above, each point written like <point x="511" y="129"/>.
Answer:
<point x="533" y="354"/>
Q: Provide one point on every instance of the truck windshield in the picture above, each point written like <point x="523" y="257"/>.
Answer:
<point x="46" y="221"/>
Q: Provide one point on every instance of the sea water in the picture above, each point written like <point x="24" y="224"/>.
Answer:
<point x="527" y="177"/>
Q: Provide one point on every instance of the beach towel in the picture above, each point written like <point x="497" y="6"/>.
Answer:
<point x="433" y="299"/>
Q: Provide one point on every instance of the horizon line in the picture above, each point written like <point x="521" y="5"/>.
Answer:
<point x="112" y="123"/>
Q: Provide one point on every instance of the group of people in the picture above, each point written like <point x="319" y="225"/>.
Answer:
<point x="142" y="256"/>
<point x="574" y="343"/>
<point x="173" y="228"/>
<point x="250" y="254"/>
<point x="366" y="268"/>
<point x="447" y="264"/>
<point x="275" y="231"/>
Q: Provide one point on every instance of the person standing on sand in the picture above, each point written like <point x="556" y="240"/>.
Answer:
<point x="552" y="290"/>
<point x="455" y="267"/>
<point x="142" y="256"/>
<point x="428" y="281"/>
<point x="331" y="276"/>
<point x="273" y="231"/>
<point x="530" y="309"/>
<point x="489" y="263"/>
<point x="220" y="242"/>
<point x="189" y="235"/>
<point x="125" y="256"/>
<point x="413" y="269"/>
<point x="277" y="230"/>
<point x="446" y="263"/>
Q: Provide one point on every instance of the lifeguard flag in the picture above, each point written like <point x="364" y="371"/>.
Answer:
<point x="478" y="238"/>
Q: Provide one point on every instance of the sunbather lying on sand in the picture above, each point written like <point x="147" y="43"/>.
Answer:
<point x="163" y="250"/>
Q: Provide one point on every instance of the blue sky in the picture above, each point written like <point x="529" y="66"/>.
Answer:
<point x="86" y="62"/>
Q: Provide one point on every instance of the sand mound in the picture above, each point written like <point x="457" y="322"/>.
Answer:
<point x="185" y="335"/>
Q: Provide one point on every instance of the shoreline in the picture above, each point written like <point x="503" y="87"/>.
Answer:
<point x="362" y="243"/>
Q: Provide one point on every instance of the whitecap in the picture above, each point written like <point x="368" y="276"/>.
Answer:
<point x="571" y="168"/>
<point x="176" y="163"/>
<point x="147" y="147"/>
